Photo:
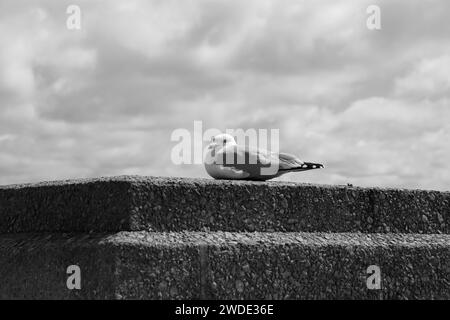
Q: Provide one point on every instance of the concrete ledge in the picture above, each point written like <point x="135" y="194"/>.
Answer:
<point x="66" y="206"/>
<point x="218" y="265"/>
<point x="175" y="204"/>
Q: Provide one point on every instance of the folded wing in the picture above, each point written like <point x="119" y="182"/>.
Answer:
<point x="259" y="164"/>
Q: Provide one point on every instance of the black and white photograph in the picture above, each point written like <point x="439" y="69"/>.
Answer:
<point x="225" y="156"/>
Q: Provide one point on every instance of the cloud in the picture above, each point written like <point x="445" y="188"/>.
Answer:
<point x="428" y="79"/>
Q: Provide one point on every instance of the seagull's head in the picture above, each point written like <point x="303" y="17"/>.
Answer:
<point x="222" y="140"/>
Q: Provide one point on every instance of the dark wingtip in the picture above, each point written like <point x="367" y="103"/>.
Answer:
<point x="311" y="165"/>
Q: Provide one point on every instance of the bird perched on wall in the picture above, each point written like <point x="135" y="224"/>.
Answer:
<point x="225" y="159"/>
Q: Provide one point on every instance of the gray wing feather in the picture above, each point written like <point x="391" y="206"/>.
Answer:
<point x="250" y="160"/>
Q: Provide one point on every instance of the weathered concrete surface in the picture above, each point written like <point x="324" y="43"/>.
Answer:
<point x="173" y="204"/>
<point x="66" y="206"/>
<point x="33" y="266"/>
<point x="147" y="265"/>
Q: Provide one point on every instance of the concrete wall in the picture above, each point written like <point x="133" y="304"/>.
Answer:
<point x="161" y="238"/>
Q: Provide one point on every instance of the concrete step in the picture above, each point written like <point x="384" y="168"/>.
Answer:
<point x="222" y="265"/>
<point x="173" y="204"/>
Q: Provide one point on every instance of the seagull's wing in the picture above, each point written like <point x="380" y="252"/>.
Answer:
<point x="289" y="161"/>
<point x="223" y="172"/>
<point x="258" y="164"/>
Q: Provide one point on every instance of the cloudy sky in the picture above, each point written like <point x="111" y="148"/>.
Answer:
<point x="372" y="105"/>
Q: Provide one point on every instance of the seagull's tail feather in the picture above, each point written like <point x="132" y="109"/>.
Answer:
<point x="306" y="166"/>
<point x="290" y="163"/>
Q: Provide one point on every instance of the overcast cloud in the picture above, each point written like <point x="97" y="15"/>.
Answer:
<point x="372" y="105"/>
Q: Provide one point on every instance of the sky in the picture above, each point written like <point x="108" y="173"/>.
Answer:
<point x="104" y="100"/>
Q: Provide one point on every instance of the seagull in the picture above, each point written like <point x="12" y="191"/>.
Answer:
<point x="225" y="159"/>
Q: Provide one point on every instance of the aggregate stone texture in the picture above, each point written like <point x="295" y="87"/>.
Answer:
<point x="225" y="265"/>
<point x="134" y="203"/>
